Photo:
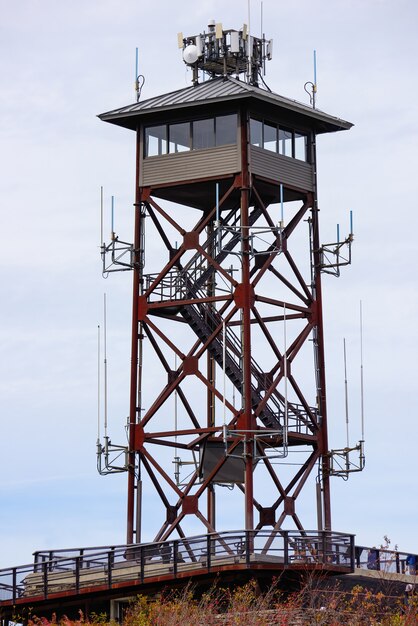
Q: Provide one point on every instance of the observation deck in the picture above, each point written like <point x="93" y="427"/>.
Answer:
<point x="88" y="578"/>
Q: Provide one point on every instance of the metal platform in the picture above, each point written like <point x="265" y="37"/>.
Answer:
<point x="63" y="577"/>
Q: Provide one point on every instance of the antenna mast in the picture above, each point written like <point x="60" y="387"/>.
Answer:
<point x="108" y="454"/>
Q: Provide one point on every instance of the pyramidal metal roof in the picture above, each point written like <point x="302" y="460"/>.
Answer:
<point x="219" y="90"/>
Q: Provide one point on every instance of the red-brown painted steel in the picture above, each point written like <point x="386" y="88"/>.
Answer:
<point x="248" y="423"/>
<point x="134" y="355"/>
<point x="259" y="389"/>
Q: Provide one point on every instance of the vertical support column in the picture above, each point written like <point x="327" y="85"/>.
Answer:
<point x="133" y="417"/>
<point x="246" y="319"/>
<point x="211" y="375"/>
<point x="322" y="404"/>
<point x="323" y="407"/>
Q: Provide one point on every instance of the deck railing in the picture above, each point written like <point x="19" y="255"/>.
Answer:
<point x="75" y="570"/>
<point x="385" y="560"/>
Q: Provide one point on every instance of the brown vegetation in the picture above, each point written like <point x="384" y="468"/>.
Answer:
<point x="247" y="606"/>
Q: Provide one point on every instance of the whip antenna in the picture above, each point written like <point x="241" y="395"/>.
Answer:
<point x="361" y="372"/>
<point x="98" y="384"/>
<point x="105" y="362"/>
<point x="346" y="394"/>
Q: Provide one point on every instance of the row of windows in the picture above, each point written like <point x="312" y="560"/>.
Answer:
<point x="220" y="131"/>
<point x="284" y="141"/>
<point x="197" y="135"/>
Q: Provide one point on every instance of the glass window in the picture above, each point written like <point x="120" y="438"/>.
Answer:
<point x="270" y="137"/>
<point x="301" y="147"/>
<point x="226" y="129"/>
<point x="256" y="132"/>
<point x="155" y="140"/>
<point x="285" y="142"/>
<point x="203" y="134"/>
<point x="179" y="137"/>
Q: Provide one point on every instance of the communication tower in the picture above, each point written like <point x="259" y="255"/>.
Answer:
<point x="227" y="370"/>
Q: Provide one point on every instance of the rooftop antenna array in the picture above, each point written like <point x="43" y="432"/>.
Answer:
<point x="220" y="52"/>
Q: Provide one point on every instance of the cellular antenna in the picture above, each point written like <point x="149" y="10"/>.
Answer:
<point x="220" y="52"/>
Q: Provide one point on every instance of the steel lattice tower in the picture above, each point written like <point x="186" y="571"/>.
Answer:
<point x="228" y="372"/>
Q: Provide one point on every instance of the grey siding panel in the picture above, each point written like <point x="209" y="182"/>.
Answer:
<point x="172" y="168"/>
<point x="281" y="169"/>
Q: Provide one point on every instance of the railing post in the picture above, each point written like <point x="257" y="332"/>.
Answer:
<point x="35" y="561"/>
<point x="285" y="536"/>
<point x="208" y="551"/>
<point x="336" y="557"/>
<point x="378" y="559"/>
<point x="142" y="562"/>
<point x="14" y="584"/>
<point x="247" y="547"/>
<point x="109" y="568"/>
<point x="45" y="578"/>
<point x="358" y="551"/>
<point x="77" y="574"/>
<point x="353" y="553"/>
<point x="398" y="565"/>
<point x="175" y="556"/>
<point x="324" y="547"/>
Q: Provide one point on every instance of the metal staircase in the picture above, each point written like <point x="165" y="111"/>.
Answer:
<point x="190" y="282"/>
<point x="203" y="318"/>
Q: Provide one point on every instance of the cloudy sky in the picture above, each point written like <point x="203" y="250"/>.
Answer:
<point x="61" y="64"/>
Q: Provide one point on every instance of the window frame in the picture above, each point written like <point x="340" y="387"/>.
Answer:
<point x="169" y="139"/>
<point x="191" y="122"/>
<point x="158" y="139"/>
<point x="292" y="131"/>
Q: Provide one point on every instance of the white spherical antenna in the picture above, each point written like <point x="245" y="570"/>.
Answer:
<point x="190" y="54"/>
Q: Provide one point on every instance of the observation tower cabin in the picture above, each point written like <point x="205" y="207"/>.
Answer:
<point x="194" y="136"/>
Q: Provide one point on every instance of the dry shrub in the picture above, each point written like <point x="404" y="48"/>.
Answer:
<point x="246" y="605"/>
